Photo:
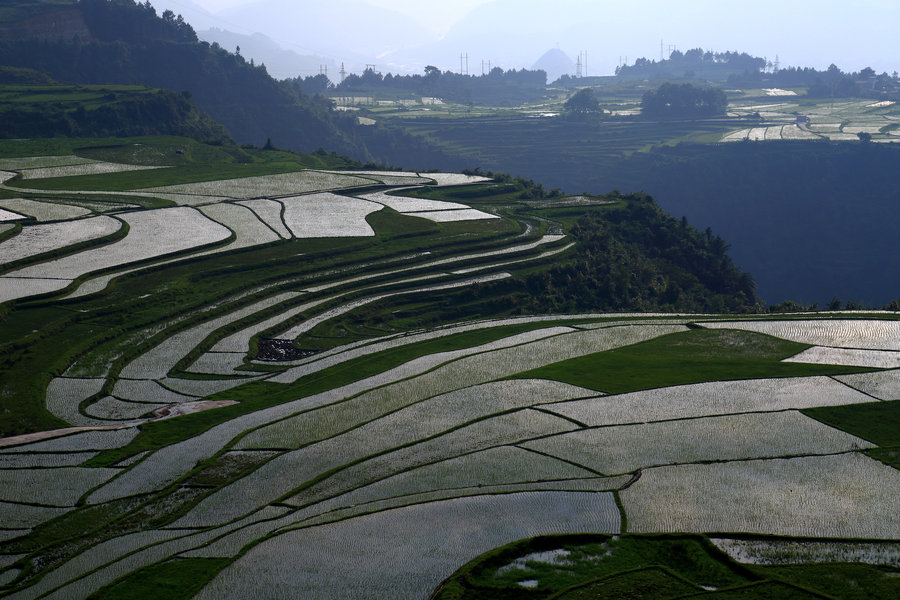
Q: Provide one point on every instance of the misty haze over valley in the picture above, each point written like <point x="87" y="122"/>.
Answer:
<point x="403" y="37"/>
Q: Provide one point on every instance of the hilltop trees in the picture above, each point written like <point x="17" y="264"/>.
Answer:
<point x="712" y="65"/>
<point x="635" y="256"/>
<point x="683" y="100"/>
<point x="497" y="87"/>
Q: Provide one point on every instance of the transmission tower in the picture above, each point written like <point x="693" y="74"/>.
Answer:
<point x="578" y="68"/>
<point x="342" y="72"/>
<point x="462" y="58"/>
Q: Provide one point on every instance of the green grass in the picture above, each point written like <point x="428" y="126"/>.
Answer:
<point x="651" y="583"/>
<point x="848" y="581"/>
<point x="174" y="579"/>
<point x="654" y="567"/>
<point x="889" y="456"/>
<point x="693" y="356"/>
<point x="606" y="566"/>
<point x="877" y="422"/>
<point x="765" y="590"/>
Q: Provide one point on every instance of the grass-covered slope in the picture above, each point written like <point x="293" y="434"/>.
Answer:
<point x="684" y="358"/>
<point x="55" y="110"/>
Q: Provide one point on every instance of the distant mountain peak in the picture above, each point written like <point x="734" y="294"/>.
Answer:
<point x="556" y="63"/>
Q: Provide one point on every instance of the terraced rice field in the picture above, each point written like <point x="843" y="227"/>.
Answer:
<point x="182" y="452"/>
<point x="44" y="211"/>
<point x="840" y="496"/>
<point x="328" y="215"/>
<point x="507" y="459"/>
<point x="47" y="237"/>
<point x="835" y="121"/>
<point x="85" y="168"/>
<point x="267" y="185"/>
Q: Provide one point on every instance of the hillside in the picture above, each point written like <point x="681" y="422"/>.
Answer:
<point x="51" y="110"/>
<point x="129" y="44"/>
<point x="226" y="362"/>
<point x="617" y="252"/>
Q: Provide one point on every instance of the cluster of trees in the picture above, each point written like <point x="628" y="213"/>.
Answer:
<point x="496" y="87"/>
<point x="693" y="63"/>
<point x="832" y="82"/>
<point x="683" y="100"/>
<point x="635" y="257"/>
<point x="583" y="102"/>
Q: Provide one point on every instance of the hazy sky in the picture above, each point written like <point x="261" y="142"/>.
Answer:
<point x="514" y="33"/>
<point x="439" y="15"/>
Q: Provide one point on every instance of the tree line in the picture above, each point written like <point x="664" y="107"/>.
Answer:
<point x="694" y="62"/>
<point x="495" y="87"/>
<point x="633" y="256"/>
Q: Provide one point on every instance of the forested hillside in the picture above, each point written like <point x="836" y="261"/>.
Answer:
<point x="634" y="256"/>
<point x="128" y="43"/>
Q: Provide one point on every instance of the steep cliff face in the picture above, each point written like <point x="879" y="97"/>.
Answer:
<point x="65" y="25"/>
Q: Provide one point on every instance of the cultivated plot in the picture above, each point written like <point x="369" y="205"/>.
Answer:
<point x="624" y="449"/>
<point x="47" y="237"/>
<point x="328" y="215"/>
<point x="44" y="211"/>
<point x="713" y="398"/>
<point x="428" y="543"/>
<point x="263" y="186"/>
<point x="870" y="334"/>
<point x="844" y="496"/>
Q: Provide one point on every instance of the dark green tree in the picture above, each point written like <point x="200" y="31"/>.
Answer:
<point x="684" y="100"/>
<point x="582" y="102"/>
